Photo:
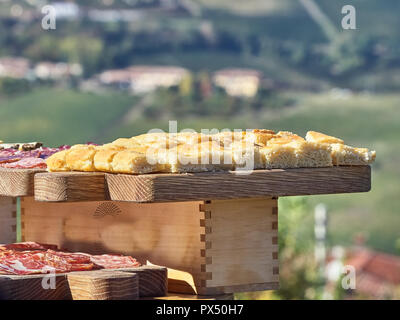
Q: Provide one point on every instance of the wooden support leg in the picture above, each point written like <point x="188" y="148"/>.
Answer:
<point x="240" y="246"/>
<point x="8" y="219"/>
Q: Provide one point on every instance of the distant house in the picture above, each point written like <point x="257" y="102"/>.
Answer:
<point x="238" y="82"/>
<point x="57" y="71"/>
<point x="377" y="274"/>
<point x="143" y="79"/>
<point x="149" y="78"/>
<point x="17" y="68"/>
<point x="119" y="78"/>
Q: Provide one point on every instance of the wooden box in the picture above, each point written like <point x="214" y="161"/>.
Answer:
<point x="209" y="247"/>
<point x="8" y="219"/>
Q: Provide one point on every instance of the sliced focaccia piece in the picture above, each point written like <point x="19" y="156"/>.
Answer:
<point x="346" y="155"/>
<point x="342" y="154"/>
<point x="133" y="161"/>
<point x="190" y="137"/>
<point x="312" y="155"/>
<point x="104" y="156"/>
<point x="279" y="156"/>
<point x="319" y="137"/>
<point x="246" y="155"/>
<point x="162" y="140"/>
<point x="206" y="156"/>
<point x="80" y="158"/>
<point x="286" y="135"/>
<point x="56" y="162"/>
<point x="259" y="136"/>
<point x="124" y="142"/>
<point x="225" y="138"/>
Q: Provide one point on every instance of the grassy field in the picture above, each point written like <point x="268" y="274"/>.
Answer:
<point x="57" y="117"/>
<point x="60" y="117"/>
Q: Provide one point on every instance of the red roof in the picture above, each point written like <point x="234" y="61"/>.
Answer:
<point x="376" y="272"/>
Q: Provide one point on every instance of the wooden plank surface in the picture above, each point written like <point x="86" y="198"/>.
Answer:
<point x="70" y="186"/>
<point x="180" y="296"/>
<point x="132" y="283"/>
<point x="200" y="186"/>
<point x="8" y="219"/>
<point x="31" y="287"/>
<point x="17" y="182"/>
<point x="103" y="285"/>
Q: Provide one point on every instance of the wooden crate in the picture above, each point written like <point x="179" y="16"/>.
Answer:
<point x="210" y="247"/>
<point x="8" y="220"/>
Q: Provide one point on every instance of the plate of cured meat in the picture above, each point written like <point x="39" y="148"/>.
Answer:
<point x="26" y="155"/>
<point x="28" y="270"/>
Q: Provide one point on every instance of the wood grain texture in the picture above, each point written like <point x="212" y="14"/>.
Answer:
<point x="165" y="234"/>
<point x="209" y="247"/>
<point x="8" y="220"/>
<point x="71" y="186"/>
<point x="93" y="285"/>
<point x="199" y="186"/>
<point x="103" y="285"/>
<point x="177" y="296"/>
<point x="30" y="288"/>
<point x="240" y="237"/>
<point x="153" y="280"/>
<point x="17" y="182"/>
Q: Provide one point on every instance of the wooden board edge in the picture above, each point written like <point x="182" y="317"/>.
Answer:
<point x="70" y="187"/>
<point x="152" y="282"/>
<point x="158" y="188"/>
<point x="17" y="182"/>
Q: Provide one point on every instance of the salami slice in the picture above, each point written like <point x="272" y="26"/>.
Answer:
<point x="26" y="163"/>
<point x="73" y="258"/>
<point x="35" y="258"/>
<point x="108" y="261"/>
<point x="8" y="159"/>
<point x="25" y="246"/>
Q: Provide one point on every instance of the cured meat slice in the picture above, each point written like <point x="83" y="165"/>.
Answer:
<point x="108" y="261"/>
<point x="38" y="262"/>
<point x="7" y="152"/>
<point x="35" y="258"/>
<point x="26" y="163"/>
<point x="73" y="258"/>
<point x="29" y="245"/>
<point x="23" y="263"/>
<point x="8" y="159"/>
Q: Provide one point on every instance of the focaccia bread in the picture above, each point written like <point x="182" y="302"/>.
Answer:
<point x="342" y="154"/>
<point x="255" y="136"/>
<point x="205" y="156"/>
<point x="246" y="155"/>
<point x="319" y="137"/>
<point x="197" y="152"/>
<point x="80" y="158"/>
<point x="103" y="158"/>
<point x="56" y="162"/>
<point x="279" y="156"/>
<point x="134" y="162"/>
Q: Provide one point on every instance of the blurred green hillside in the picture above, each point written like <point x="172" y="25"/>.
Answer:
<point x="278" y="37"/>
